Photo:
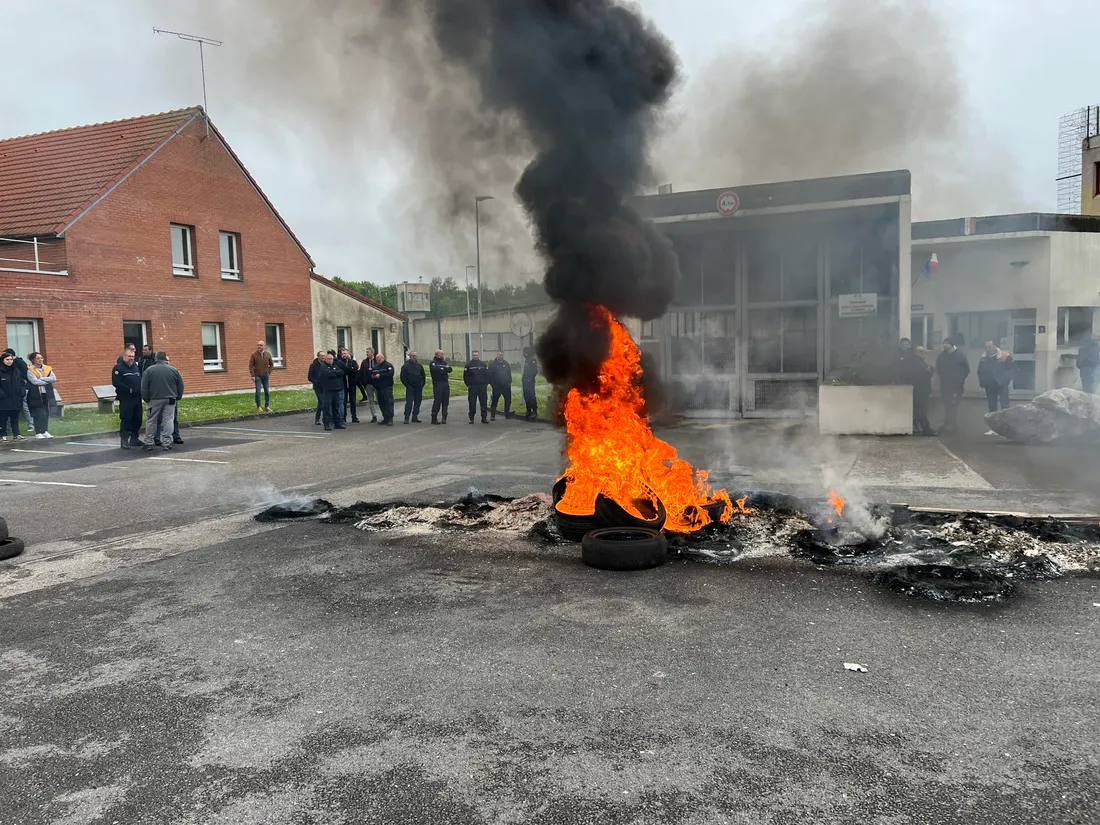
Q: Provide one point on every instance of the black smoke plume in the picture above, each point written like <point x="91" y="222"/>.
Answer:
<point x="585" y="80"/>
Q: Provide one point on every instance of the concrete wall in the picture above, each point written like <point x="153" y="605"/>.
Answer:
<point x="854" y="410"/>
<point x="1075" y="282"/>
<point x="428" y="333"/>
<point x="332" y="309"/>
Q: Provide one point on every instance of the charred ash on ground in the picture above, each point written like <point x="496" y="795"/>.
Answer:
<point x="948" y="557"/>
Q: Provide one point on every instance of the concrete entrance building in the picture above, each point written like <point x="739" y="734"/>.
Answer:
<point x="782" y="283"/>
<point x="1030" y="283"/>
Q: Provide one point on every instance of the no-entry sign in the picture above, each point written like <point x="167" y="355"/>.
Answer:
<point x="728" y="203"/>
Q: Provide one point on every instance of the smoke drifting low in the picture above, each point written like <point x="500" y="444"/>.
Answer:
<point x="847" y="86"/>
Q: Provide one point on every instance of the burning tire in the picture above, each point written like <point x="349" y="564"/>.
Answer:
<point x="572" y="527"/>
<point x="3" y="529"/>
<point x="10" y="548"/>
<point x="610" y="514"/>
<point x="624" y="548"/>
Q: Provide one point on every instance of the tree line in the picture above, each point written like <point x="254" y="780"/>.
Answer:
<point x="448" y="298"/>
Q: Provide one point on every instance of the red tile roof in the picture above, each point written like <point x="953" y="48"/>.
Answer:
<point x="47" y="180"/>
<point x="359" y="296"/>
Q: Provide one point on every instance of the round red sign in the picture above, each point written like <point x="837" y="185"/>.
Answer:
<point x="728" y="203"/>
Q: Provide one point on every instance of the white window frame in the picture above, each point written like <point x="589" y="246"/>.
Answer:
<point x="144" y="331"/>
<point x="347" y="339"/>
<point x="1062" y="338"/>
<point x="233" y="271"/>
<point x="378" y="340"/>
<point x="35" y="334"/>
<point x="218" y="364"/>
<point x="277" y="353"/>
<point x="926" y="319"/>
<point x="187" y="268"/>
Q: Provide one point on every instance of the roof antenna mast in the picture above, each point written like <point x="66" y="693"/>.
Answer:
<point x="208" y="41"/>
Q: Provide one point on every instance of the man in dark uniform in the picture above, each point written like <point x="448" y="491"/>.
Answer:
<point x="918" y="373"/>
<point x="412" y="376"/>
<point x="530" y="370"/>
<point x="351" y="383"/>
<point x="148" y="357"/>
<point x="382" y="380"/>
<point x="331" y="380"/>
<point x="441" y="386"/>
<point x="126" y="379"/>
<point x="952" y="368"/>
<point x="476" y="377"/>
<point x="314" y="378"/>
<point x="500" y="376"/>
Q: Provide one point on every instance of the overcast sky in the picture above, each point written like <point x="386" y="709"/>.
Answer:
<point x="1021" y="65"/>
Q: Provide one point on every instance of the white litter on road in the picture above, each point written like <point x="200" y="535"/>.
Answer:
<point x="852" y="666"/>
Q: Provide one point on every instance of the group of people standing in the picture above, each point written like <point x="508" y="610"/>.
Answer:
<point x="153" y="380"/>
<point x="28" y="389"/>
<point x="996" y="371"/>
<point x="337" y="379"/>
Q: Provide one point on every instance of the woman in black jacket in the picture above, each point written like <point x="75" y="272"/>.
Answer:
<point x="12" y="384"/>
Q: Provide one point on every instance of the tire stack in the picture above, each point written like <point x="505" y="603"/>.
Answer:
<point x="612" y="538"/>
<point x="9" y="547"/>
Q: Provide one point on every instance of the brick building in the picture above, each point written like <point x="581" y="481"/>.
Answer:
<point x="147" y="230"/>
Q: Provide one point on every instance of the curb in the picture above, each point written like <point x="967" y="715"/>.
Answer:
<point x="184" y="425"/>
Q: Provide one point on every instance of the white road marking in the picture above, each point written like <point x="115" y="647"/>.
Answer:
<point x="189" y="460"/>
<point x="211" y="450"/>
<point x="297" y="433"/>
<point x="47" y="483"/>
<point x="40" y="452"/>
<point x="89" y="444"/>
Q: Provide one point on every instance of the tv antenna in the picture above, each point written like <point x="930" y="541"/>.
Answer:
<point x="202" y="41"/>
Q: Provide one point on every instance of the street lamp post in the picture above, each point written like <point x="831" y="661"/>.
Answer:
<point x="477" y="241"/>
<point x="469" y="328"/>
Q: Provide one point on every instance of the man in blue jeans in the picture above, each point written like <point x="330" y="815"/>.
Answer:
<point x="260" y="366"/>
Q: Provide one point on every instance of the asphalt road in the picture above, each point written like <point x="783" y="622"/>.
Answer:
<point x="166" y="659"/>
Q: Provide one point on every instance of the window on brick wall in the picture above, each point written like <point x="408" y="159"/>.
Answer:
<point x="230" y="243"/>
<point x="23" y="336"/>
<point x="213" y="359"/>
<point x="183" y="250"/>
<point x="136" y="333"/>
<point x="273" y="334"/>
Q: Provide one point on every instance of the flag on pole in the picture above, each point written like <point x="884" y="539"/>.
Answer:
<point x="931" y="265"/>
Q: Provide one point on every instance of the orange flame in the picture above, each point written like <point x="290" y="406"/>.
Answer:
<point x="837" y="501"/>
<point x="612" y="450"/>
<point x="741" y="504"/>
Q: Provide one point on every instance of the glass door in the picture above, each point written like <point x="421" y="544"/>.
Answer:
<point x="1023" y="354"/>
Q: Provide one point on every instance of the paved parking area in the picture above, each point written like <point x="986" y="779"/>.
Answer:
<point x="168" y="659"/>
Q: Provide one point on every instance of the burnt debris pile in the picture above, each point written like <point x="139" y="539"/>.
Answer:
<point x="949" y="557"/>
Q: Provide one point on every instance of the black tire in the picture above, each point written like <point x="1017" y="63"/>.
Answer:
<point x="610" y="514"/>
<point x="624" y="548"/>
<point x="10" y="548"/>
<point x="571" y="527"/>
<point x="3" y="529"/>
<point x="574" y="528"/>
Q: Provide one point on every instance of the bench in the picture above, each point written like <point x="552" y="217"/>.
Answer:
<point x="105" y="395"/>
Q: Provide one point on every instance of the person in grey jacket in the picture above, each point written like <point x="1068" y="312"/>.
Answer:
<point x="161" y="387"/>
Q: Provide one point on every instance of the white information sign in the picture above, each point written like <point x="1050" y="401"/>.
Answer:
<point x="858" y="304"/>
